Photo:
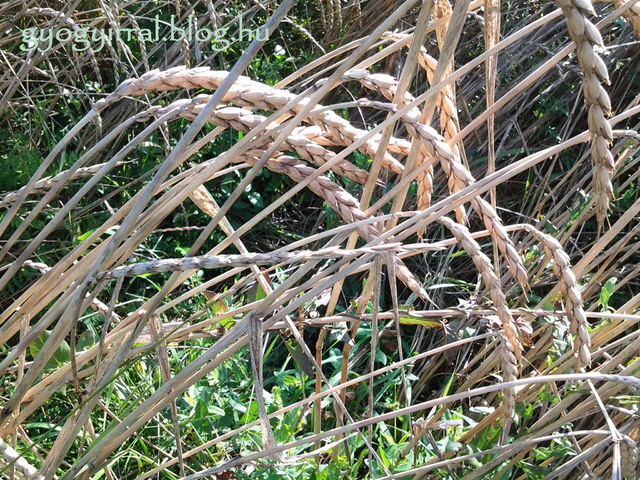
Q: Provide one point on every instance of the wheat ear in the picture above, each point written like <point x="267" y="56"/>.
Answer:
<point x="437" y="147"/>
<point x="574" y="304"/>
<point x="587" y="38"/>
<point x="244" y="121"/>
<point x="510" y="347"/>
<point x="449" y="124"/>
<point x="387" y="86"/>
<point x="249" y="93"/>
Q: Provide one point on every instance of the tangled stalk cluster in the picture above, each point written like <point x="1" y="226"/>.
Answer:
<point x="296" y="137"/>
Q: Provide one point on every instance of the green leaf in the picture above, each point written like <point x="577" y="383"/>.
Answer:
<point x="426" y="323"/>
<point x="606" y="292"/>
<point x="61" y="356"/>
<point x="85" y="341"/>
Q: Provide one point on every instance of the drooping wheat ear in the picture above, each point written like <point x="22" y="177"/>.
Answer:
<point x="396" y="145"/>
<point x="248" y="93"/>
<point x="491" y="280"/>
<point x="335" y="196"/>
<point x="47" y="183"/>
<point x="388" y="86"/>
<point x="568" y="284"/>
<point x="629" y="454"/>
<point x="587" y="38"/>
<point x="509" y="374"/>
<point x="343" y="203"/>
<point x="449" y="125"/>
<point x="633" y="14"/>
<point x="243" y="121"/>
<point x="436" y="146"/>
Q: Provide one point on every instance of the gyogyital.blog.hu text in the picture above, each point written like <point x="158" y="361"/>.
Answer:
<point x="84" y="37"/>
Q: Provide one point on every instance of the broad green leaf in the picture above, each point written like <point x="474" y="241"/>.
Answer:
<point x="61" y="356"/>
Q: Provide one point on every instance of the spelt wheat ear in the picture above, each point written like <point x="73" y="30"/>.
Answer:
<point x="437" y="147"/>
<point x="568" y="284"/>
<point x="249" y="93"/>
<point x="491" y="280"/>
<point x="340" y="201"/>
<point x="633" y="14"/>
<point x="449" y="126"/>
<point x="388" y="87"/>
<point x="244" y="121"/>
<point x="588" y="39"/>
<point x="509" y="365"/>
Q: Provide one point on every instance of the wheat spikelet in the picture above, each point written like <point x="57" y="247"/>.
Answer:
<point x="629" y="454"/>
<point x="574" y="304"/>
<point x="587" y="38"/>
